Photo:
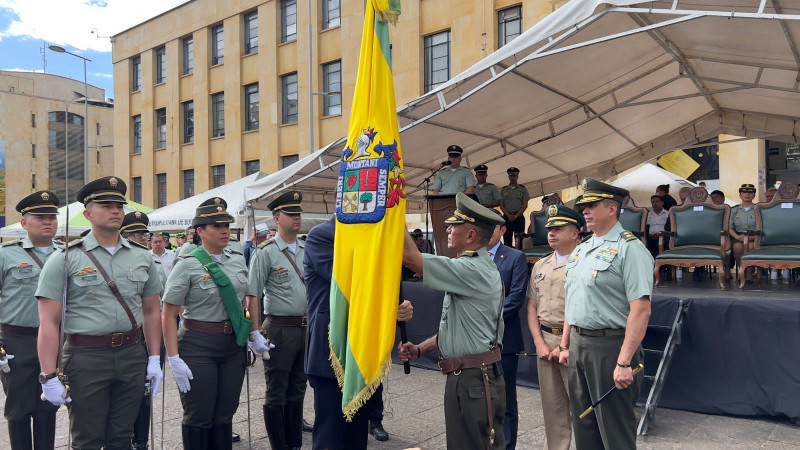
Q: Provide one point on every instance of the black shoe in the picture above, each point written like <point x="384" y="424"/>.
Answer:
<point x="139" y="446"/>
<point x="307" y="427"/>
<point x="221" y="435"/>
<point x="376" y="429"/>
<point x="274" y="421"/>
<point x="195" y="437"/>
<point x="19" y="433"/>
<point x="235" y="437"/>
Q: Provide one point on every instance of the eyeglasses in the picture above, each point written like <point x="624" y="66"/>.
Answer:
<point x="137" y="235"/>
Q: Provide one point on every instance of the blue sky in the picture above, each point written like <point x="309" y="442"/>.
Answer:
<point x="25" y="26"/>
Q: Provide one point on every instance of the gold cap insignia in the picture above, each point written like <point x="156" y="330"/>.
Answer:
<point x="296" y="196"/>
<point x="217" y="200"/>
<point x="113" y="182"/>
<point x="45" y="196"/>
<point x="219" y="208"/>
<point x="552" y="210"/>
<point x="584" y="184"/>
<point x="138" y="215"/>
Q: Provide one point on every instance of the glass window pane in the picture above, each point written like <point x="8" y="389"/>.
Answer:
<point x="251" y="33"/>
<point x="288" y="20"/>
<point x="188" y="122"/>
<point x="251" y="106"/>
<point x="137" y="134"/>
<point x="218" y="114"/>
<point x="509" y="25"/>
<point x="217" y="45"/>
<point x="188" y="183"/>
<point x="188" y="55"/>
<point x="437" y="59"/>
<point x="289" y="95"/>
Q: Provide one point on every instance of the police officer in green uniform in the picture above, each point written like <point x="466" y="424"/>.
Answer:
<point x="514" y="201"/>
<point x="21" y="262"/>
<point x="608" y="286"/>
<point x="743" y="221"/>
<point x="191" y="243"/>
<point x="488" y="194"/>
<point x="455" y="178"/>
<point x="207" y="355"/>
<point x="134" y="229"/>
<point x="275" y="267"/>
<point x="470" y="329"/>
<point x="104" y="358"/>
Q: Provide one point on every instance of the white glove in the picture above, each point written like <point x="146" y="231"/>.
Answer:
<point x="54" y="392"/>
<point x="181" y="372"/>
<point x="154" y="375"/>
<point x="4" y="363"/>
<point x="259" y="343"/>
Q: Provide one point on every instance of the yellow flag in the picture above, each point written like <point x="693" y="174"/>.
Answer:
<point x="370" y="211"/>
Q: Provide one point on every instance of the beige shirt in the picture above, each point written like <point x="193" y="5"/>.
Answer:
<point x="547" y="290"/>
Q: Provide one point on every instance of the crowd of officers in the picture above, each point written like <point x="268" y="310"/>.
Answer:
<point x="124" y="316"/>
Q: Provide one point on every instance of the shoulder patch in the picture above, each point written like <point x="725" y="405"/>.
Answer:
<point x="627" y="235"/>
<point x="10" y="243"/>
<point x="266" y="243"/>
<point x="138" y="245"/>
<point x="75" y="242"/>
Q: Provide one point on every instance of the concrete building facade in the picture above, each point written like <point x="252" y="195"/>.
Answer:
<point x="39" y="113"/>
<point x="210" y="91"/>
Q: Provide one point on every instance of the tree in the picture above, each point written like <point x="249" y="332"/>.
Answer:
<point x="366" y="198"/>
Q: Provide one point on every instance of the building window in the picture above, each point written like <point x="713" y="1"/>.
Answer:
<point x="287" y="161"/>
<point x="251" y="107"/>
<point x="331" y="13"/>
<point x="137" y="189"/>
<point x="136" y="74"/>
<point x="217" y="176"/>
<point x="188" y="183"/>
<point x="98" y="128"/>
<point x="64" y="131"/>
<point x="332" y="85"/>
<point x="217" y="45"/>
<point x="33" y="150"/>
<point x="161" y="128"/>
<point x="137" y="135"/>
<point x="218" y="114"/>
<point x="33" y="120"/>
<point x="437" y="59"/>
<point x="188" y="55"/>
<point x="33" y="181"/>
<point x="251" y="167"/>
<point x="509" y="24"/>
<point x="250" y="33"/>
<point x="288" y="20"/>
<point x="289" y="98"/>
<point x="188" y="122"/>
<point x="161" y="65"/>
<point x="161" y="190"/>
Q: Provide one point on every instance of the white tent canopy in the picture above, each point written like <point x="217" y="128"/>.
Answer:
<point x="642" y="182"/>
<point x="596" y="88"/>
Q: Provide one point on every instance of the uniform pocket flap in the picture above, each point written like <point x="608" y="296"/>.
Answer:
<point x="477" y="392"/>
<point x="88" y="280"/>
<point x="23" y="273"/>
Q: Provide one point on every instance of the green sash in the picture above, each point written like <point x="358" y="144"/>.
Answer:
<point x="233" y="305"/>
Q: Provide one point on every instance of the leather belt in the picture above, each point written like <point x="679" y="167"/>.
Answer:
<point x="600" y="332"/>
<point x="224" y="327"/>
<point x="108" y="340"/>
<point x="19" y="331"/>
<point x="292" y="321"/>
<point x="470" y="361"/>
<point x="555" y="331"/>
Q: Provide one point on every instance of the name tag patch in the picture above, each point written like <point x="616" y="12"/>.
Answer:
<point x="606" y="254"/>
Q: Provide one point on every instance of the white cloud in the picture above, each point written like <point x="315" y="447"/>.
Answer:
<point x="17" y="69"/>
<point x="102" y="75"/>
<point x="70" y="22"/>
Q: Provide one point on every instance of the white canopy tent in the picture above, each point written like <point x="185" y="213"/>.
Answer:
<point x="596" y="88"/>
<point x="642" y="182"/>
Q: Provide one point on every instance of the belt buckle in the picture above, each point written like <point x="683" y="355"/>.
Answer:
<point x="303" y="322"/>
<point x="227" y="327"/>
<point x="557" y="331"/>
<point x="117" y="339"/>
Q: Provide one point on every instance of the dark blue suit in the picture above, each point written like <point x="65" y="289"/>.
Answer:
<point x="513" y="268"/>
<point x="330" y="429"/>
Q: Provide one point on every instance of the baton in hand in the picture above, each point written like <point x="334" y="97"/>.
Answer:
<point x="638" y="369"/>
<point x="404" y="335"/>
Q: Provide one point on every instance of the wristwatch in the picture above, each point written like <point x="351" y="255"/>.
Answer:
<point x="43" y="377"/>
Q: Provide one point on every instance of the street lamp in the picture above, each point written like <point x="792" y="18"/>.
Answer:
<point x="59" y="49"/>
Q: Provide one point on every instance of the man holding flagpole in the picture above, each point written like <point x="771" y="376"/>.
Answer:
<point x="470" y="329"/>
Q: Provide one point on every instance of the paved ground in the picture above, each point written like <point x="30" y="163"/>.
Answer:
<point x="415" y="418"/>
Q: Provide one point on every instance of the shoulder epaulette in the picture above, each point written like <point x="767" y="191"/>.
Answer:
<point x="588" y="236"/>
<point x="235" y="251"/>
<point x="266" y="243"/>
<point x="469" y="253"/>
<point x="303" y="237"/>
<point x="75" y="242"/>
<point x="157" y="261"/>
<point x="9" y="243"/>
<point x="233" y="239"/>
<point x="186" y="255"/>
<point x="138" y="245"/>
<point x="627" y="235"/>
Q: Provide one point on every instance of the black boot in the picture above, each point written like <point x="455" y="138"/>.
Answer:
<point x="273" y="419"/>
<point x="376" y="429"/>
<point x="221" y="436"/>
<point x="141" y="428"/>
<point x="294" y="424"/>
<point x="235" y="437"/>
<point x="44" y="430"/>
<point x="196" y="438"/>
<point x="307" y="427"/>
<point x="19" y="434"/>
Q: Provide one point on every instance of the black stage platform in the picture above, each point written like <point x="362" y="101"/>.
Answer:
<point x="740" y="353"/>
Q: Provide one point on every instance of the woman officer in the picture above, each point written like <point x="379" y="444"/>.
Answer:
<point x="207" y="356"/>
